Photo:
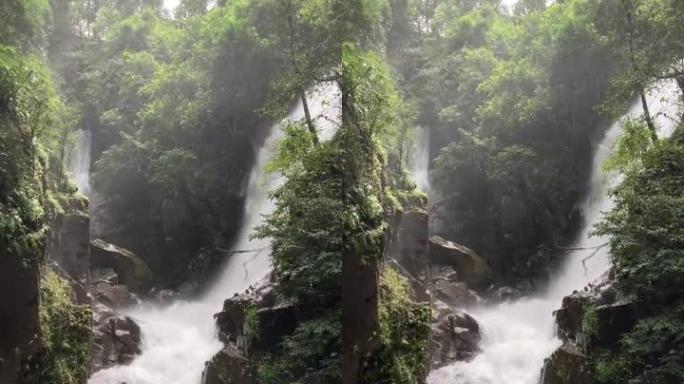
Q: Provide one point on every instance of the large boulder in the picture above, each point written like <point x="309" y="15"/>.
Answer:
<point x="612" y="315"/>
<point x="567" y="365"/>
<point x="232" y="319"/>
<point x="455" y="336"/>
<point x="131" y="269"/>
<point x="471" y="268"/>
<point x="116" y="339"/>
<point x="258" y="307"/>
<point x="228" y="366"/>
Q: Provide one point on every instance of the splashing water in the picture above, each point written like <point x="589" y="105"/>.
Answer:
<point x="179" y="339"/>
<point x="518" y="336"/>
<point x="78" y="160"/>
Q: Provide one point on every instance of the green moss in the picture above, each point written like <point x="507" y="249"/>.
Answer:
<point x="403" y="335"/>
<point x="250" y="327"/>
<point x="589" y="324"/>
<point x="65" y="354"/>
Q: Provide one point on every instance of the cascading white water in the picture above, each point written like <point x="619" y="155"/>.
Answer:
<point x="178" y="339"/>
<point x="78" y="160"/>
<point x="518" y="336"/>
<point x="420" y="159"/>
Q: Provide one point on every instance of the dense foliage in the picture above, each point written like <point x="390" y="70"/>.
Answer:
<point x="510" y="100"/>
<point x="646" y="229"/>
<point x="34" y="190"/>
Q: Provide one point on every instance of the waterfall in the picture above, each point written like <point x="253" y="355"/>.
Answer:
<point x="420" y="159"/>
<point x="179" y="339"/>
<point x="518" y="336"/>
<point x="77" y="161"/>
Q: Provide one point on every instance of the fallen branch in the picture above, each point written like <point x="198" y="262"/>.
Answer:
<point x="584" y="260"/>
<point x="581" y="248"/>
<point x="257" y="250"/>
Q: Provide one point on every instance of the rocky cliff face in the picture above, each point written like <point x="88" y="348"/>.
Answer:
<point x="251" y="325"/>
<point x="588" y="320"/>
<point x="19" y="321"/>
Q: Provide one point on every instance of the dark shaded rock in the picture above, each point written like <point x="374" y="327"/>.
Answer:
<point x="116" y="339"/>
<point x="231" y="319"/>
<point x="455" y="336"/>
<point x="19" y="320"/>
<point x="228" y="366"/>
<point x="409" y="243"/>
<point x="106" y="290"/>
<point x="67" y="245"/>
<point x="471" y="268"/>
<point x="132" y="270"/>
<point x="613" y="315"/>
<point x="569" y="316"/>
<point x="274" y="323"/>
<point x="567" y="365"/>
<point x="446" y="288"/>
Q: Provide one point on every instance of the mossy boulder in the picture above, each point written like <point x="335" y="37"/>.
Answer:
<point x="64" y="353"/>
<point x="131" y="269"/>
<point x="567" y="365"/>
<point x="228" y="366"/>
<point x="596" y="316"/>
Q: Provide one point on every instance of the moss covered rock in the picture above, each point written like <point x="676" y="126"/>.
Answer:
<point x="64" y="356"/>
<point x="229" y="366"/>
<point x="567" y="365"/>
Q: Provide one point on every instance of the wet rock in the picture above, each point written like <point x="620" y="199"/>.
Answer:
<point x="613" y="316"/>
<point x="228" y="366"/>
<point x="409" y="243"/>
<point x="106" y="290"/>
<point x="471" y="268"/>
<point x="67" y="245"/>
<point x="446" y="288"/>
<point x="164" y="296"/>
<point x="231" y="319"/>
<point x="567" y="365"/>
<point x="455" y="336"/>
<point x="116" y="339"/>
<point x="131" y="269"/>
<point x="506" y="294"/>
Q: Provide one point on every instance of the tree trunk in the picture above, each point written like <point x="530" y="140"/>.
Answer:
<point x="360" y="277"/>
<point x="633" y="63"/>
<point x="307" y="117"/>
<point x="647" y="115"/>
